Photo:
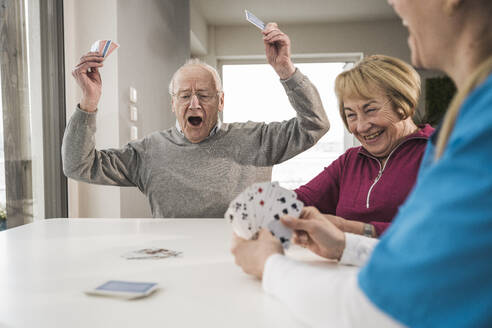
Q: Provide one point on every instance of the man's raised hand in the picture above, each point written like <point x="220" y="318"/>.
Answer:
<point x="86" y="73"/>
<point x="277" y="49"/>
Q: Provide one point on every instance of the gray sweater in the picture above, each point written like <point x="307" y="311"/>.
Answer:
<point x="182" y="179"/>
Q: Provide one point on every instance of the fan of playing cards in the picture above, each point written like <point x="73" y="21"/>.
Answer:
<point x="260" y="206"/>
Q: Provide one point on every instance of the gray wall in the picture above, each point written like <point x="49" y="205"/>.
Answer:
<point x="154" y="37"/>
<point x="381" y="36"/>
<point x="83" y="26"/>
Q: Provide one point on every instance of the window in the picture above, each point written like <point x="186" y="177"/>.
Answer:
<point x="30" y="108"/>
<point x="253" y="92"/>
<point x="15" y="114"/>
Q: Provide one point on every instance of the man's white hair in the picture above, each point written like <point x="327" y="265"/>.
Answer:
<point x="197" y="62"/>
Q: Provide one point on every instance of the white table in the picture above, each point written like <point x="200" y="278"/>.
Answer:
<point x="46" y="266"/>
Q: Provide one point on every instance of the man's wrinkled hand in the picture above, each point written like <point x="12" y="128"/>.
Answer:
<point x="86" y="73"/>
<point x="277" y="49"/>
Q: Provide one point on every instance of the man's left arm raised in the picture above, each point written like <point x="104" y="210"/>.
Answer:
<point x="283" y="140"/>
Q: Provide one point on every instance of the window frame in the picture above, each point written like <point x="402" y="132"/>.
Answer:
<point x="54" y="107"/>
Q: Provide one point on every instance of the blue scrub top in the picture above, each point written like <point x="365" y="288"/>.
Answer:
<point x="433" y="266"/>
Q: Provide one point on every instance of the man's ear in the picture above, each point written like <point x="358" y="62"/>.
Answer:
<point x="172" y="104"/>
<point x="221" y="101"/>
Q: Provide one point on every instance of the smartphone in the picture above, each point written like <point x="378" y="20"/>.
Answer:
<point x="124" y="289"/>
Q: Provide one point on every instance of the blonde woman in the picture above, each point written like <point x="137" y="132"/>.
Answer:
<point x="360" y="192"/>
<point x="433" y="267"/>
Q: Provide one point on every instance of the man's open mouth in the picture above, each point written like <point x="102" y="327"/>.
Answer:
<point x="195" y="120"/>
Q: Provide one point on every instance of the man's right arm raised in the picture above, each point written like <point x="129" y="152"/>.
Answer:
<point x="81" y="160"/>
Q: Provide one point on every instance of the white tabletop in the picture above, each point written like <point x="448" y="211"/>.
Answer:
<point x="46" y="266"/>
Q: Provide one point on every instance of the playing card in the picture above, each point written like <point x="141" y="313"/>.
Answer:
<point x="280" y="231"/>
<point x="254" y="20"/>
<point x="283" y="205"/>
<point x="280" y="199"/>
<point x="151" y="253"/>
<point x="240" y="215"/>
<point x="104" y="47"/>
<point x="260" y="206"/>
<point x="259" y="197"/>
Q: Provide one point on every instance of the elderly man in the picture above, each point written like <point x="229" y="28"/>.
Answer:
<point x="196" y="168"/>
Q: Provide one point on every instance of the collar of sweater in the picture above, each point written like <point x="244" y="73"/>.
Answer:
<point x="212" y="132"/>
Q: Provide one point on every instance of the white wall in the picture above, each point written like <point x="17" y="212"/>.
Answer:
<point x="383" y="36"/>
<point x="154" y="41"/>
<point x="150" y="53"/>
<point x="198" y="31"/>
<point x="83" y="26"/>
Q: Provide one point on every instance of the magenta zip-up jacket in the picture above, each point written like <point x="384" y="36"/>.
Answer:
<point x="357" y="187"/>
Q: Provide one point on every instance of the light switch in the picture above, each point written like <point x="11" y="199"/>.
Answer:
<point x="133" y="95"/>
<point x="133" y="133"/>
<point x="133" y="113"/>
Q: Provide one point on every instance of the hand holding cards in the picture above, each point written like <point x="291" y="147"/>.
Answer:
<point x="260" y="206"/>
<point x="104" y="47"/>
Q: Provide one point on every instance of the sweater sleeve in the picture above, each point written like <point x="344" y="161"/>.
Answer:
<point x="324" y="295"/>
<point x="82" y="161"/>
<point x="324" y="189"/>
<point x="280" y="141"/>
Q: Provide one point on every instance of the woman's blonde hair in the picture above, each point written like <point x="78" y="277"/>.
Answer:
<point x="479" y="76"/>
<point x="392" y="76"/>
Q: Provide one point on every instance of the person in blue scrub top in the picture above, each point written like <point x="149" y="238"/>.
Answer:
<point x="433" y="266"/>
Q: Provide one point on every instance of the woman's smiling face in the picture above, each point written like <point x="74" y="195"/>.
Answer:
<point x="375" y="123"/>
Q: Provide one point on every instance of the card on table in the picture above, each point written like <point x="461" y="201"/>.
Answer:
<point x="124" y="289"/>
<point x="151" y="253"/>
<point x="254" y="20"/>
<point x="260" y="206"/>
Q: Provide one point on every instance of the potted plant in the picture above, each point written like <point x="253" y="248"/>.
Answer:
<point x="439" y="93"/>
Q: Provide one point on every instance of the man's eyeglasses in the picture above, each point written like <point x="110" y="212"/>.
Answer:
<point x="204" y="97"/>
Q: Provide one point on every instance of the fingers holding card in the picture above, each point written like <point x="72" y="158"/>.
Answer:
<point x="104" y="47"/>
<point x="260" y="206"/>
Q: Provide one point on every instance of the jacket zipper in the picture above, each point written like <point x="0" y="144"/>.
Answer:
<point x="381" y="168"/>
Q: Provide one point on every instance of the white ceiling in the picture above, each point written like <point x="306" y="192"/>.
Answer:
<point x="231" y="12"/>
